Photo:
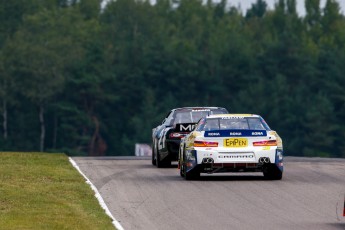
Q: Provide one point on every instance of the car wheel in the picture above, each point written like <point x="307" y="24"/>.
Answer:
<point x="181" y="170"/>
<point x="159" y="164"/>
<point x="153" y="154"/>
<point x="272" y="172"/>
<point x="192" y="174"/>
<point x="166" y="162"/>
<point x="162" y="163"/>
<point x="181" y="162"/>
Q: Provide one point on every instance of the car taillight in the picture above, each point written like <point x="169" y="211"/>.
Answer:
<point x="177" y="135"/>
<point x="205" y="144"/>
<point x="265" y="143"/>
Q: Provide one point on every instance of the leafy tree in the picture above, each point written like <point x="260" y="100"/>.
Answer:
<point x="96" y="80"/>
<point x="258" y="9"/>
<point x="38" y="59"/>
<point x="319" y="126"/>
<point x="90" y="8"/>
<point x="313" y="18"/>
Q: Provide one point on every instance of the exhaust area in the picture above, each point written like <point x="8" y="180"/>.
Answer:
<point x="207" y="160"/>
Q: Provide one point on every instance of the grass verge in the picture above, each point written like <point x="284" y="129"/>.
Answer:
<point x="44" y="191"/>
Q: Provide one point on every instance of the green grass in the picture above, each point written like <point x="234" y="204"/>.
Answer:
<point x="44" y="191"/>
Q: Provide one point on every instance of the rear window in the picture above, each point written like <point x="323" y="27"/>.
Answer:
<point x="193" y="116"/>
<point x="240" y="123"/>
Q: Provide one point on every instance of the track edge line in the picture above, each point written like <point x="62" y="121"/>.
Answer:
<point x="97" y="195"/>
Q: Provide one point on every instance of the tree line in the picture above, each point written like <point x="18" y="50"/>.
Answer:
<point x="87" y="79"/>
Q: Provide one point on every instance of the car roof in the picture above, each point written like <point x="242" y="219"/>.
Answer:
<point x="232" y="115"/>
<point x="197" y="108"/>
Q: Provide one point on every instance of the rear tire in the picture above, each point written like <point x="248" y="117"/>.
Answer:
<point x="162" y="163"/>
<point x="181" y="170"/>
<point x="272" y="172"/>
<point x="181" y="162"/>
<point x="153" y="155"/>
<point x="193" y="174"/>
<point x="158" y="160"/>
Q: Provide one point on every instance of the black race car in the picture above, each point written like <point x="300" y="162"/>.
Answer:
<point x="178" y="123"/>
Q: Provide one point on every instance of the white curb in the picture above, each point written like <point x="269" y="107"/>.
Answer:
<point x="98" y="196"/>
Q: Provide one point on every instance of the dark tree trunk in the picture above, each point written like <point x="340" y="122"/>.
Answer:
<point x="55" y="131"/>
<point x="97" y="145"/>
<point x="43" y="130"/>
<point x="4" y="107"/>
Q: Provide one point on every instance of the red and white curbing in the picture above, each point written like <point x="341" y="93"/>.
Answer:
<point x="98" y="196"/>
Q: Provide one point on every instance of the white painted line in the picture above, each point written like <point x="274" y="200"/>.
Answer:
<point x="98" y="196"/>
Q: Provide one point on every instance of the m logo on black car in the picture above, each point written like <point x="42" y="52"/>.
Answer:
<point x="185" y="127"/>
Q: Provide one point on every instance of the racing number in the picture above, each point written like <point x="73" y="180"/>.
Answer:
<point x="161" y="141"/>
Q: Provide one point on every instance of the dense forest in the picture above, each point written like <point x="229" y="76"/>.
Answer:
<point x="87" y="79"/>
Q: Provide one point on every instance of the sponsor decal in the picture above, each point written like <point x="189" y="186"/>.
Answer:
<point x="257" y="133"/>
<point x="235" y="142"/>
<point x="201" y="110"/>
<point x="213" y="134"/>
<point x="226" y="118"/>
<point x="185" y="127"/>
<point x="236" y="133"/>
<point x="236" y="156"/>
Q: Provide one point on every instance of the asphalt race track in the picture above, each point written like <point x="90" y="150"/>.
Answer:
<point x="141" y="196"/>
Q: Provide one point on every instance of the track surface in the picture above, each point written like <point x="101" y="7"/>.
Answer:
<point x="141" y="196"/>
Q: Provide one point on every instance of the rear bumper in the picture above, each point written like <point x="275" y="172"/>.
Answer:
<point x="235" y="157"/>
<point x="213" y="161"/>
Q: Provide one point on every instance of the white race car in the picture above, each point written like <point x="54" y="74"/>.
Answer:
<point x="231" y="143"/>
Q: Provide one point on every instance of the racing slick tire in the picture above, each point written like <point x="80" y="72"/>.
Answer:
<point x="272" y="172"/>
<point x="162" y="163"/>
<point x="159" y="164"/>
<point x="154" y="154"/>
<point x="153" y="160"/>
<point x="181" y="170"/>
<point x="180" y="163"/>
<point x="193" y="174"/>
